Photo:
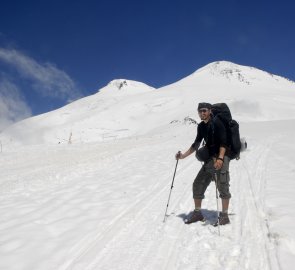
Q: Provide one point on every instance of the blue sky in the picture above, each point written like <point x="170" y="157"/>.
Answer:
<point x="52" y="52"/>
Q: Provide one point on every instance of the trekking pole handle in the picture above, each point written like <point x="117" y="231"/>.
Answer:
<point x="178" y="155"/>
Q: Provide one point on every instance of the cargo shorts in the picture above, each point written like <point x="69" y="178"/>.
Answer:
<point x="206" y="175"/>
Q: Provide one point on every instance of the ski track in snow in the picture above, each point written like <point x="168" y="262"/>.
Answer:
<point x="133" y="236"/>
<point x="190" y="247"/>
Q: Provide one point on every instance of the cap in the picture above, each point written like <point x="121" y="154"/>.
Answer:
<point x="203" y="105"/>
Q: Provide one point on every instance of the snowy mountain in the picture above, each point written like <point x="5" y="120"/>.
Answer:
<point x="93" y="118"/>
<point x="125" y="87"/>
<point x="86" y="186"/>
<point x="127" y="108"/>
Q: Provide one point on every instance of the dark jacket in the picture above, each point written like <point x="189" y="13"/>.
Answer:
<point x="214" y="135"/>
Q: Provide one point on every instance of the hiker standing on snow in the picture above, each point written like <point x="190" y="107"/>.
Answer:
<point x="216" y="161"/>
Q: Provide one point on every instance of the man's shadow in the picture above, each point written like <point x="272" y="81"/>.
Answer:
<point x="210" y="216"/>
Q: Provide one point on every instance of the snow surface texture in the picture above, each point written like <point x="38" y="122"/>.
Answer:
<point x="86" y="186"/>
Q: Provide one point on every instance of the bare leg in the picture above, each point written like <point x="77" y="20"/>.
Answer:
<point x="223" y="217"/>
<point x="198" y="203"/>
<point x="225" y="204"/>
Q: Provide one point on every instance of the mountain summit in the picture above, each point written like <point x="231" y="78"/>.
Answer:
<point x="125" y="87"/>
<point x="234" y="72"/>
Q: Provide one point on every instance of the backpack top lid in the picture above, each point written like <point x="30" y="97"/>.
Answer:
<point x="221" y="110"/>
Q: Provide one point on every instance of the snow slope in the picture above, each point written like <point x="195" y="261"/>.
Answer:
<point x="92" y="118"/>
<point x="128" y="108"/>
<point x="101" y="204"/>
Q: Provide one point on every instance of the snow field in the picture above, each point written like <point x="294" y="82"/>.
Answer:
<point x="99" y="202"/>
<point x="101" y="206"/>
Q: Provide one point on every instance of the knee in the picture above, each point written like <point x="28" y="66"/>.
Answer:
<point x="225" y="195"/>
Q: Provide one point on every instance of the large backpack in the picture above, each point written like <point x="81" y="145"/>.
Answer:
<point x="222" y="111"/>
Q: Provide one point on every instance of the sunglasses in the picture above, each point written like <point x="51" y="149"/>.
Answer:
<point x="203" y="110"/>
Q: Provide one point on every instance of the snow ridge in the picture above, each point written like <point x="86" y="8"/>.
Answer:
<point x="244" y="74"/>
<point x="124" y="87"/>
<point x="129" y="108"/>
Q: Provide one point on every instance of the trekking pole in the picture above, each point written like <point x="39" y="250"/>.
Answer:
<point x="171" y="190"/>
<point x="215" y="176"/>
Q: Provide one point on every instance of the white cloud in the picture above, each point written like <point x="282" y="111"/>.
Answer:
<point x="45" y="78"/>
<point x="13" y="107"/>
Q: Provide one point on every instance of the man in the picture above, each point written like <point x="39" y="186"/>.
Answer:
<point x="216" y="163"/>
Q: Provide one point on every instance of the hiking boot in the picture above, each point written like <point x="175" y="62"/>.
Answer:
<point x="195" y="217"/>
<point x="223" y="219"/>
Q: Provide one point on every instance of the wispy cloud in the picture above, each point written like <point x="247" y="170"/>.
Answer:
<point x="45" y="78"/>
<point x="13" y="107"/>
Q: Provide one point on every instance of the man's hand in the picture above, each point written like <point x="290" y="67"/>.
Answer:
<point x="218" y="164"/>
<point x="179" y="155"/>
